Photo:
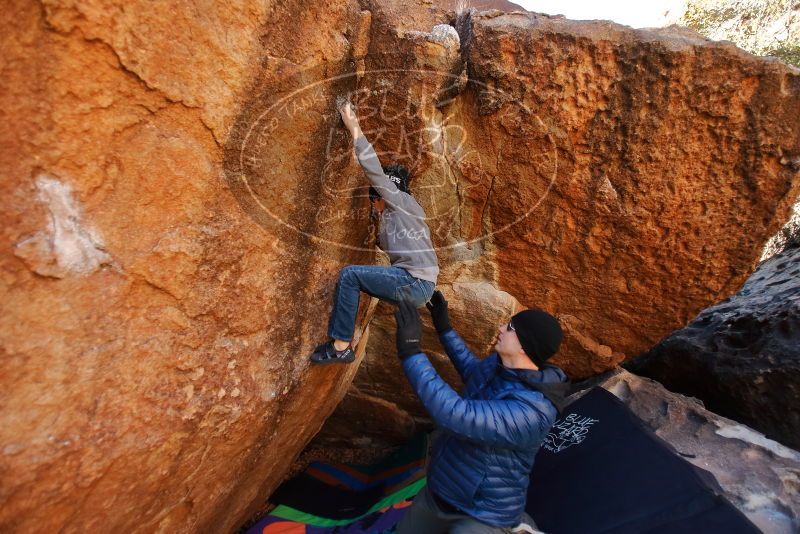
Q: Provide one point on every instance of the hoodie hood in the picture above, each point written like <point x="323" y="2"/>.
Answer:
<point x="550" y="381"/>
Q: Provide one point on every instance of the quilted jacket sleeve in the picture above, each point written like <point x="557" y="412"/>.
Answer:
<point x="511" y="423"/>
<point x="457" y="350"/>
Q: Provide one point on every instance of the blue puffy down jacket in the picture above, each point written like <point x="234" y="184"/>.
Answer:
<point x="482" y="461"/>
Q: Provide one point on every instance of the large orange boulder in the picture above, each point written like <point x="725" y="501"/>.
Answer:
<point x="153" y="336"/>
<point x="179" y="196"/>
<point x="675" y="160"/>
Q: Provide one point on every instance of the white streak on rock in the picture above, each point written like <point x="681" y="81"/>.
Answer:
<point x="67" y="245"/>
<point x="751" y="436"/>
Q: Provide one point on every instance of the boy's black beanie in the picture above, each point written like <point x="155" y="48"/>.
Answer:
<point x="539" y="334"/>
<point x="399" y="175"/>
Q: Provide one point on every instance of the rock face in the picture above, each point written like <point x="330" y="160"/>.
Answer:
<point x="758" y="475"/>
<point x="742" y="356"/>
<point x="622" y="244"/>
<point x="153" y="337"/>
<point x="179" y="196"/>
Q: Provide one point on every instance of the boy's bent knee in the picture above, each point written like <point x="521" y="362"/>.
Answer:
<point x="347" y="272"/>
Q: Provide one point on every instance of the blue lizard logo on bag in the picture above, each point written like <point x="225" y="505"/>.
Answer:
<point x="568" y="431"/>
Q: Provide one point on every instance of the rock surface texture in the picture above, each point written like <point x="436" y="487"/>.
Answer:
<point x="742" y="356"/>
<point x="153" y="337"/>
<point x="758" y="475"/>
<point x="179" y="195"/>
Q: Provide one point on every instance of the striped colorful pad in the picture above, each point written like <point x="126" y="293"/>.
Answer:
<point x="344" y="498"/>
<point x="393" y="470"/>
<point x="382" y="517"/>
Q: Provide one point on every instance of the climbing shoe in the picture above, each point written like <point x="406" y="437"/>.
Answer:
<point x="326" y="353"/>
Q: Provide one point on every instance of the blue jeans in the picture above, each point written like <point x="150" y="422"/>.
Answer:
<point x="387" y="283"/>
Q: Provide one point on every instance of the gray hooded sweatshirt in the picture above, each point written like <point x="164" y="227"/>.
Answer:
<point x="404" y="235"/>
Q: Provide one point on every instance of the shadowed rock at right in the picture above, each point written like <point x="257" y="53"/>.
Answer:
<point x="742" y="356"/>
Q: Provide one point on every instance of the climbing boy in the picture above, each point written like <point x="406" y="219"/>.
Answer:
<point x="403" y="235"/>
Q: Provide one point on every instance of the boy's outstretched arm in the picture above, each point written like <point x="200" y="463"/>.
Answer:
<point x="372" y="166"/>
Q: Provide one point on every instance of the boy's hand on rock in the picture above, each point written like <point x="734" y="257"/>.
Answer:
<point x="349" y="118"/>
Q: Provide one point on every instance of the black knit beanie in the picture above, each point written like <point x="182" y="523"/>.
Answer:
<point x="399" y="175"/>
<point x="539" y="334"/>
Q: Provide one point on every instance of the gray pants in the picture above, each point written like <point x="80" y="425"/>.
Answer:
<point x="425" y="517"/>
